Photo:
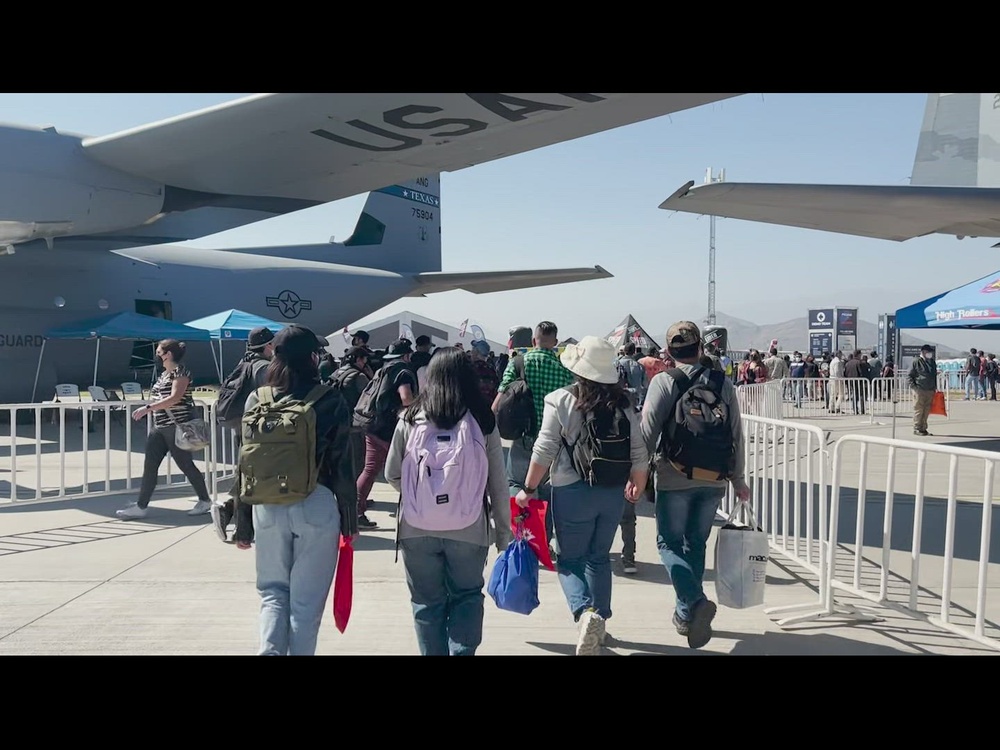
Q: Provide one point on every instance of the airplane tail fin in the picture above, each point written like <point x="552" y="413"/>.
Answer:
<point x="399" y="228"/>
<point x="959" y="141"/>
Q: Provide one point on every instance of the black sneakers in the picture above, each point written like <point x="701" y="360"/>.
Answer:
<point x="364" y="523"/>
<point x="700" y="626"/>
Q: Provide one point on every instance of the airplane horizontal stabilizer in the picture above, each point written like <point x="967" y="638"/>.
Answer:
<point x="485" y="282"/>
<point x="888" y="212"/>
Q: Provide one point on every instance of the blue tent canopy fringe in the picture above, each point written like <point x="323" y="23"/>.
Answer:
<point x="128" y="326"/>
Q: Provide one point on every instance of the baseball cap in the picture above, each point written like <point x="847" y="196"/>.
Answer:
<point x="398" y="348"/>
<point x="259" y="337"/>
<point x="482" y="347"/>
<point x="298" y="341"/>
<point x="359" y="334"/>
<point x="683" y="333"/>
<point x="357" y="352"/>
<point x="423" y="340"/>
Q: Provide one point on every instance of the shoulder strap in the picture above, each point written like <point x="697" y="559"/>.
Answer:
<point x="519" y="367"/>
<point x="317" y="392"/>
<point x="265" y="394"/>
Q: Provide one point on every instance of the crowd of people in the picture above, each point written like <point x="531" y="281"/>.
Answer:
<point x="600" y="430"/>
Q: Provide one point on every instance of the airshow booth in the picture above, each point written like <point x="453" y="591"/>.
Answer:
<point x="123" y="326"/>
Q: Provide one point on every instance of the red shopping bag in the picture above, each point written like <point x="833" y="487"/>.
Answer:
<point x="937" y="405"/>
<point x="343" y="585"/>
<point x="533" y="520"/>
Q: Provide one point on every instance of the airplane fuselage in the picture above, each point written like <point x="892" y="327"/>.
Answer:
<point x="43" y="288"/>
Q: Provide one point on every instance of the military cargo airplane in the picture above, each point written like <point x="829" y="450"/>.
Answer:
<point x="954" y="188"/>
<point x="111" y="223"/>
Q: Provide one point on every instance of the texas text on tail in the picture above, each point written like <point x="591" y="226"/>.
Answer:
<point x="149" y="192"/>
<point x="954" y="188"/>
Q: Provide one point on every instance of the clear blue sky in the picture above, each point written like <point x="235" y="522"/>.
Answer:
<point x="595" y="201"/>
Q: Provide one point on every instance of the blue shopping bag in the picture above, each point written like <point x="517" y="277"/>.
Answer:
<point x="514" y="580"/>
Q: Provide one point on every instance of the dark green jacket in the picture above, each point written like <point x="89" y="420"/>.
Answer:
<point x="923" y="374"/>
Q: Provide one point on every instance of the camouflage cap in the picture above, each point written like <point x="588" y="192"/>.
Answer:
<point x="683" y="333"/>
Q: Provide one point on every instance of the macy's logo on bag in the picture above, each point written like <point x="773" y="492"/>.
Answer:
<point x="757" y="558"/>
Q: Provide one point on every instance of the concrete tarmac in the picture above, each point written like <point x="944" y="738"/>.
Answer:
<point x="74" y="579"/>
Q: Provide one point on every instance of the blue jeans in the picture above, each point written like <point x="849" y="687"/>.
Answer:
<point x="586" y="520"/>
<point x="518" y="460"/>
<point x="683" y="523"/>
<point x="297" y="547"/>
<point x="446" y="582"/>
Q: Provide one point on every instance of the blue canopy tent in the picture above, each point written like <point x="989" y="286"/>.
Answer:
<point x="124" y="326"/>
<point x="232" y="324"/>
<point x="974" y="305"/>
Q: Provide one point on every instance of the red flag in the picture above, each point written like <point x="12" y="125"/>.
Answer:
<point x="343" y="585"/>
<point x="532" y="519"/>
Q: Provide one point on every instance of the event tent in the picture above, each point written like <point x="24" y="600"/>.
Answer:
<point x="232" y="324"/>
<point x="630" y="330"/>
<point x="127" y="326"/>
<point x="973" y="305"/>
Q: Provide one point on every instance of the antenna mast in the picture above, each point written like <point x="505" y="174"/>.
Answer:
<point x="710" y="318"/>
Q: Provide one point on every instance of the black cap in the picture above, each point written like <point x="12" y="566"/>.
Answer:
<point x="297" y="341"/>
<point x="259" y="337"/>
<point x="359" y="334"/>
<point x="357" y="352"/>
<point x="423" y="340"/>
<point x="398" y="348"/>
<point x="927" y="348"/>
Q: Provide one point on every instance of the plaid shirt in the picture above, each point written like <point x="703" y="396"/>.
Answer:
<point x="544" y="373"/>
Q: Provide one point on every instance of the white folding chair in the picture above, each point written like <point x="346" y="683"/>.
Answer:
<point x="98" y="394"/>
<point x="66" y="391"/>
<point x="132" y="391"/>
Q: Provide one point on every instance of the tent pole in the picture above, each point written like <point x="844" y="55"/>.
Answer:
<point x="97" y="356"/>
<point x="38" y="371"/>
<point x="218" y="367"/>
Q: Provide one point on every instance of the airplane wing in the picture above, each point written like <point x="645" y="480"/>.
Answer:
<point x="323" y="147"/>
<point x="888" y="212"/>
<point x="500" y="281"/>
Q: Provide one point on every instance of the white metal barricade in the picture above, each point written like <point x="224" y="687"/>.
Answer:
<point x="898" y="452"/>
<point x="760" y="399"/>
<point x="74" y="442"/>
<point x="785" y="470"/>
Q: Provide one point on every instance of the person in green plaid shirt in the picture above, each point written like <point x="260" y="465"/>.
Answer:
<point x="544" y="373"/>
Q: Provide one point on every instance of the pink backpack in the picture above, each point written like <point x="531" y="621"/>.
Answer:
<point x="444" y="475"/>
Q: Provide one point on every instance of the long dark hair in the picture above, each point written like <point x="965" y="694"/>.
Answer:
<point x="600" y="397"/>
<point x="450" y="389"/>
<point x="286" y="373"/>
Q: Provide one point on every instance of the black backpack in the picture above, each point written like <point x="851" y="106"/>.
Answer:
<point x="602" y="455"/>
<point x="344" y="380"/>
<point x="516" y="409"/>
<point x="234" y="392"/>
<point x="698" y="438"/>
<point x="372" y="402"/>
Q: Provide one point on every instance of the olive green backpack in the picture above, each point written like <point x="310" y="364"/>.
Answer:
<point x="278" y="453"/>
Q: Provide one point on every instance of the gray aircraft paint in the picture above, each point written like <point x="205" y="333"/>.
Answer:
<point x="233" y="166"/>
<point x="953" y="189"/>
<point x="959" y="141"/>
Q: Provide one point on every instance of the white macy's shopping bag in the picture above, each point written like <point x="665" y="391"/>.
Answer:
<point x="741" y="554"/>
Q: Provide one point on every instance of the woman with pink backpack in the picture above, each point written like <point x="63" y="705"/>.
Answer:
<point x="446" y="457"/>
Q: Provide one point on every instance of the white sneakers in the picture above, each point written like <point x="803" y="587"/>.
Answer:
<point x="591" y="634"/>
<point x="200" y="508"/>
<point x="131" y="511"/>
<point x="134" y="511"/>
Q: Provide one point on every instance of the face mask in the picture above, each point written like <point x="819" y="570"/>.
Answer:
<point x="927" y="355"/>
<point x="798" y="359"/>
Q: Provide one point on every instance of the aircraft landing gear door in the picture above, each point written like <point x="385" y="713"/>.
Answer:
<point x="143" y="363"/>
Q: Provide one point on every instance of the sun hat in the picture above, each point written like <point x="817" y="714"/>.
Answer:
<point x="592" y="359"/>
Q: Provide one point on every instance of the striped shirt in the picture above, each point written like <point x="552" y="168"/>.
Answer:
<point x="185" y="411"/>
